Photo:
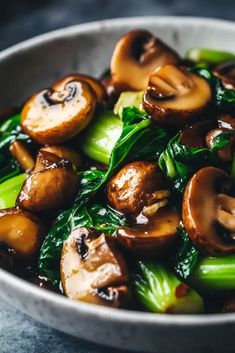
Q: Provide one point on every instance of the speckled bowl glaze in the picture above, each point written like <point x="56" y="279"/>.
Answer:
<point x="87" y="48"/>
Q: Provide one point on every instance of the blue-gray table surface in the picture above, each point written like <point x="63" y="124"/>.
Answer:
<point x="23" y="19"/>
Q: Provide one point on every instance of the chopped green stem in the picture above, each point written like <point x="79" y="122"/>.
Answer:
<point x="162" y="292"/>
<point x="128" y="99"/>
<point x="9" y="190"/>
<point x="215" y="274"/>
<point x="101" y="136"/>
<point x="210" y="56"/>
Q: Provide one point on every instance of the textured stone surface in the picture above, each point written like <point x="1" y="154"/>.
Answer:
<point x="23" y="19"/>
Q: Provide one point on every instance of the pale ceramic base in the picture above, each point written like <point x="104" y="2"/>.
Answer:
<point x="87" y="48"/>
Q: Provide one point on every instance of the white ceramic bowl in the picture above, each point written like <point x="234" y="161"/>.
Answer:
<point x="87" y="48"/>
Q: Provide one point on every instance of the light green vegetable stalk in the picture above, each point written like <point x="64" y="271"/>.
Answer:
<point x="128" y="99"/>
<point x="210" y="56"/>
<point x="101" y="137"/>
<point x="9" y="190"/>
<point x="215" y="274"/>
<point x="162" y="292"/>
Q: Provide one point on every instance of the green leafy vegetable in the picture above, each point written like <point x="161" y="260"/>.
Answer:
<point x="159" y="290"/>
<point x="10" y="131"/>
<point x="186" y="256"/>
<point x="210" y="56"/>
<point x="221" y="140"/>
<point x="179" y="162"/>
<point x="9" y="190"/>
<point x="97" y="216"/>
<point x="223" y="98"/>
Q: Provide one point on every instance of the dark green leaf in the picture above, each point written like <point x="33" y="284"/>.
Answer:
<point x="221" y="140"/>
<point x="186" y="256"/>
<point x="179" y="162"/>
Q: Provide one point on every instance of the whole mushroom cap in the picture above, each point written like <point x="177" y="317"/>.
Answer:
<point x="136" y="55"/>
<point x="56" y="114"/>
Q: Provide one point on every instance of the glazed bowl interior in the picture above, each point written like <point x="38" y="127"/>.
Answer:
<point x="35" y="64"/>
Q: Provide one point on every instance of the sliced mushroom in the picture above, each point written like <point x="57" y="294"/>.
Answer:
<point x="93" y="269"/>
<point x="194" y="135"/>
<point x="225" y="154"/>
<point x="20" y="231"/>
<point x="209" y="213"/>
<point x="51" y="187"/>
<point x="56" y="114"/>
<point x="226" y="73"/>
<point x="64" y="153"/>
<point x="96" y="85"/>
<point x="22" y="155"/>
<point x="176" y="96"/>
<point x="136" y="186"/>
<point x="153" y="238"/>
<point x="226" y="121"/>
<point x="136" y="55"/>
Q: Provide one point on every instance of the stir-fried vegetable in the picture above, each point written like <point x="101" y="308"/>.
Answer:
<point x="162" y="292"/>
<point x="129" y="200"/>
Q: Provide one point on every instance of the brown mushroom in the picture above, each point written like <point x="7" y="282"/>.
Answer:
<point x="65" y="153"/>
<point x="20" y="231"/>
<point x="194" y="135"/>
<point x="51" y="186"/>
<point x="93" y="269"/>
<point x="226" y="73"/>
<point x="22" y="155"/>
<point x="56" y="114"/>
<point x="136" y="55"/>
<point x="225" y="154"/>
<point x="226" y="121"/>
<point x="209" y="212"/>
<point x="96" y="85"/>
<point x="137" y="187"/>
<point x="155" y="237"/>
<point x="176" y="96"/>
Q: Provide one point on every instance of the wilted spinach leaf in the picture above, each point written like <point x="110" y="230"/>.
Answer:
<point x="186" y="256"/>
<point x="221" y="140"/>
<point x="179" y="162"/>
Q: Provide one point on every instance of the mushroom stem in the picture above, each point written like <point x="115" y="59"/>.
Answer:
<point x="22" y="155"/>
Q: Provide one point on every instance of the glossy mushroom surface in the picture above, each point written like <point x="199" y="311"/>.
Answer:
<point x="154" y="238"/>
<point x="226" y="73"/>
<point x="21" y="231"/>
<point x="56" y="114"/>
<point x="93" y="269"/>
<point x="209" y="212"/>
<point x="65" y="153"/>
<point x="176" y="96"/>
<point x="51" y="187"/>
<point x="136" y="186"/>
<point x="136" y="55"/>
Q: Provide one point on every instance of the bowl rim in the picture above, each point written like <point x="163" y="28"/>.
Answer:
<point x="91" y="310"/>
